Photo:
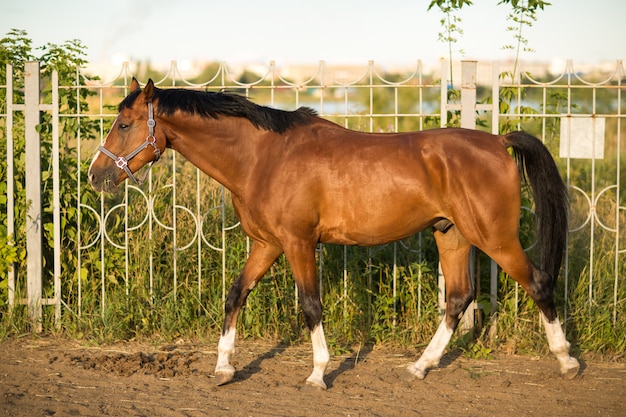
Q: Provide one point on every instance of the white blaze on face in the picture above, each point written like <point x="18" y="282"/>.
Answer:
<point x="97" y="155"/>
<point x="94" y="159"/>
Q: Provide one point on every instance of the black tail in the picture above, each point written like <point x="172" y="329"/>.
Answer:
<point x="550" y="193"/>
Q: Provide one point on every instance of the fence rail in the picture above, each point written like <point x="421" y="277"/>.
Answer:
<point x="121" y="238"/>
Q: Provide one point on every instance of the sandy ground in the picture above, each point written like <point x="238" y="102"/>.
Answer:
<point x="59" y="377"/>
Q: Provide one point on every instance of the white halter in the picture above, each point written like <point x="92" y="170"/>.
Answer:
<point x="122" y="161"/>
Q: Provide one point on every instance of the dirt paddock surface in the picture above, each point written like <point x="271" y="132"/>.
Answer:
<point x="58" y="377"/>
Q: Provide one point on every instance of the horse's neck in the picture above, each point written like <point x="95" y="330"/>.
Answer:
<point x="222" y="151"/>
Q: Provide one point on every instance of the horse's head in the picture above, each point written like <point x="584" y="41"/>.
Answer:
<point x="134" y="141"/>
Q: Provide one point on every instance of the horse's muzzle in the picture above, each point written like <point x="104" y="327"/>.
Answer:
<point x="107" y="180"/>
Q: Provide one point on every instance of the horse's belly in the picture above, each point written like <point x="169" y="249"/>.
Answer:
<point x="373" y="227"/>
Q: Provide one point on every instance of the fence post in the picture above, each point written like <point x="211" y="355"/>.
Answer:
<point x="33" y="194"/>
<point x="468" y="121"/>
<point x="10" y="179"/>
<point x="468" y="94"/>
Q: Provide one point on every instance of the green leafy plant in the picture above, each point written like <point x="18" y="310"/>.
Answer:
<point x="16" y="49"/>
<point x="451" y="24"/>
<point x="8" y="256"/>
<point x="522" y="17"/>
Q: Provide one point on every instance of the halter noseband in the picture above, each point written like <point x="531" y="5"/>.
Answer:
<point x="122" y="161"/>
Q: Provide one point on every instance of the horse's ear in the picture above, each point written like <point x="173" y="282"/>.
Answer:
<point x="148" y="90"/>
<point x="134" y="85"/>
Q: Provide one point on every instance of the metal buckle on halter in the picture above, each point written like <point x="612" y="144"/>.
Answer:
<point x="121" y="162"/>
<point x="152" y="142"/>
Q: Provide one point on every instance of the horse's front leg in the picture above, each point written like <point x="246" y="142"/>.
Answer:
<point x="321" y="357"/>
<point x="301" y="257"/>
<point x="262" y="256"/>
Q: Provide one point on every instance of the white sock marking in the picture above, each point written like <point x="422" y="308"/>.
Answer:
<point x="433" y="353"/>
<point x="225" y="348"/>
<point x="320" y="356"/>
<point x="559" y="346"/>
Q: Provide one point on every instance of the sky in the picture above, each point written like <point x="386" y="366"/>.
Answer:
<point x="392" y="32"/>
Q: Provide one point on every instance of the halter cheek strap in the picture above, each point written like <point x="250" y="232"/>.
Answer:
<point x="122" y="161"/>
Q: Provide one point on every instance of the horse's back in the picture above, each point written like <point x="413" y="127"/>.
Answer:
<point x="358" y="188"/>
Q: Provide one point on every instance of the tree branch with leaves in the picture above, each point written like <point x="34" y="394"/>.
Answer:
<point x="450" y="23"/>
<point x="522" y="16"/>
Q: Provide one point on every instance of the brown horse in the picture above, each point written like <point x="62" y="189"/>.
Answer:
<point x="297" y="180"/>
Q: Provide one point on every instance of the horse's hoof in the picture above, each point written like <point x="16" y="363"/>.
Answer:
<point x="570" y="369"/>
<point x="312" y="384"/>
<point x="411" y="372"/>
<point x="222" y="378"/>
<point x="407" y="376"/>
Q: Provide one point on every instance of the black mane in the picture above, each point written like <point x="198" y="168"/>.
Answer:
<point x="209" y="104"/>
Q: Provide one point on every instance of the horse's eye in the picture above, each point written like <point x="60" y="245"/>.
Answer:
<point x="122" y="126"/>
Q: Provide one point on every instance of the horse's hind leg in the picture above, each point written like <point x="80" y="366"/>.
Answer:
<point x="539" y="286"/>
<point x="559" y="346"/>
<point x="454" y="252"/>
<point x="261" y="257"/>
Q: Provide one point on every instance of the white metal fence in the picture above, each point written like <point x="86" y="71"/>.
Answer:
<point x="578" y="115"/>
